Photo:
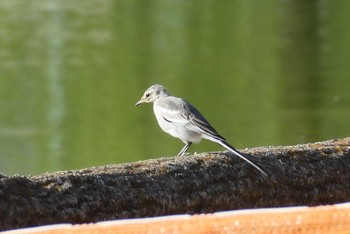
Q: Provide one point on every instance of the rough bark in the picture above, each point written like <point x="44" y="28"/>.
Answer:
<point x="310" y="174"/>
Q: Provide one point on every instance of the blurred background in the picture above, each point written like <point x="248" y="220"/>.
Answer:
<point x="273" y="72"/>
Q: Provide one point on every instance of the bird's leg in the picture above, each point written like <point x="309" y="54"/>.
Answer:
<point x="184" y="149"/>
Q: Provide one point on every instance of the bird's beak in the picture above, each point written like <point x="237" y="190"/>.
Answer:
<point x="139" y="102"/>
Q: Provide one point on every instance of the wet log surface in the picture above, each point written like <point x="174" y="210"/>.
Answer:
<point x="310" y="174"/>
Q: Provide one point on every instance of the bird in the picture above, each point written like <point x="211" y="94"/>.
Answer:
<point x="182" y="120"/>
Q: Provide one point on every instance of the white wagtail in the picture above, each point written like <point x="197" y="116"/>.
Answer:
<point x="180" y="119"/>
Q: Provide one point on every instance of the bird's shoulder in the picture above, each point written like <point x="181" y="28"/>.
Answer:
<point x="173" y="103"/>
<point x="179" y="106"/>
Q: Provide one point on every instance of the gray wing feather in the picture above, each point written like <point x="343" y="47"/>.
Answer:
<point x="179" y="111"/>
<point x="199" y="121"/>
<point x="172" y="110"/>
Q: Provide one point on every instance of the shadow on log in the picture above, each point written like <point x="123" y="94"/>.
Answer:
<point x="310" y="174"/>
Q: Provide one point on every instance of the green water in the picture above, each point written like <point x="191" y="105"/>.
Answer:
<point x="262" y="72"/>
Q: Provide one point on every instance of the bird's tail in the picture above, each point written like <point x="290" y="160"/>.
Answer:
<point x="236" y="152"/>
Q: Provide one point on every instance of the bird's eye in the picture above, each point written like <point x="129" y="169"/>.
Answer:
<point x="148" y="94"/>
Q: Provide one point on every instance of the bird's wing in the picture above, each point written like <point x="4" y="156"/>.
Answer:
<point x="173" y="110"/>
<point x="179" y="111"/>
<point x="204" y="127"/>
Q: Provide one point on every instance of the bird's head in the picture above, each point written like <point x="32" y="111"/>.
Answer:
<point x="152" y="94"/>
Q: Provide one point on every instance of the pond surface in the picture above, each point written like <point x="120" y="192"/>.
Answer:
<point x="262" y="72"/>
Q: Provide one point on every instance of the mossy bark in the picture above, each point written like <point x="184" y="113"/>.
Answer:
<point x="310" y="174"/>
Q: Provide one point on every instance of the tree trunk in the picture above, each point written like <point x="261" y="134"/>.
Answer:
<point x="310" y="174"/>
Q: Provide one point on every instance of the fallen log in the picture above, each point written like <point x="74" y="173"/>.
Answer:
<point x="310" y="174"/>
